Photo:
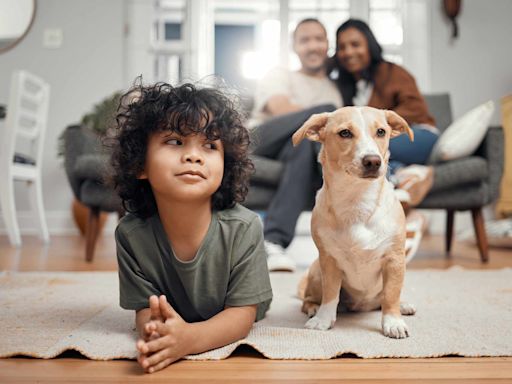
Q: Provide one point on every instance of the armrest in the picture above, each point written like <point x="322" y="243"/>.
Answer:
<point x="493" y="149"/>
<point x="91" y="166"/>
<point x="486" y="164"/>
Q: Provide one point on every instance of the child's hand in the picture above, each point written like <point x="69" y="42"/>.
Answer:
<point x="173" y="343"/>
<point x="156" y="315"/>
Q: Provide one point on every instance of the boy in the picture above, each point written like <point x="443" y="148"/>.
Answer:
<point x="181" y="165"/>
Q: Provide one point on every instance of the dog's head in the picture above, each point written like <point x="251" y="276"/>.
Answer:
<point x="355" y="139"/>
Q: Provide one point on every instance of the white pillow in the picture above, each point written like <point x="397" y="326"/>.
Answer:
<point x="465" y="134"/>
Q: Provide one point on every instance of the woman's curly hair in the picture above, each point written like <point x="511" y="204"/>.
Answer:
<point x="185" y="109"/>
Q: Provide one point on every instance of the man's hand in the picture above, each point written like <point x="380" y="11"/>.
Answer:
<point x="173" y="341"/>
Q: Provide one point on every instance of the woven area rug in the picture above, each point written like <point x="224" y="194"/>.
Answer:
<point x="460" y="312"/>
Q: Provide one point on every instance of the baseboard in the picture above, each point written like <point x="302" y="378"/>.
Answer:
<point x="58" y="222"/>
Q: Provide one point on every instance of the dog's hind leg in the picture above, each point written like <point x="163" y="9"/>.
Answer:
<point x="310" y="308"/>
<point x="310" y="290"/>
<point x="407" y="309"/>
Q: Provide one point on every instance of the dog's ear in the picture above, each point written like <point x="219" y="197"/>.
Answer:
<point x="398" y="125"/>
<point x="312" y="129"/>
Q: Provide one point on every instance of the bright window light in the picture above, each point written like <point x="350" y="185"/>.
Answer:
<point x="255" y="64"/>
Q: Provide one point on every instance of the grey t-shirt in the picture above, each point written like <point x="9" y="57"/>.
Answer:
<point x="229" y="269"/>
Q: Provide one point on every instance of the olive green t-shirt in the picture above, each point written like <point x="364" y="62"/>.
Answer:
<point x="229" y="269"/>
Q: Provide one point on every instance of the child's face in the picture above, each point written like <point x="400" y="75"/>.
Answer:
<point x="183" y="168"/>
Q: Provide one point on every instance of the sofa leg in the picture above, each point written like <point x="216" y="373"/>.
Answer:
<point x="481" y="235"/>
<point x="450" y="219"/>
<point x="91" y="233"/>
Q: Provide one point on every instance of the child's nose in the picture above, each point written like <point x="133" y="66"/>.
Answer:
<point x="193" y="157"/>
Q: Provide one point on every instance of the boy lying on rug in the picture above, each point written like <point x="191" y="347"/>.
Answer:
<point x="191" y="260"/>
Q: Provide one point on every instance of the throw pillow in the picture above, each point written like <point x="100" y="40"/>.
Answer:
<point x="464" y="135"/>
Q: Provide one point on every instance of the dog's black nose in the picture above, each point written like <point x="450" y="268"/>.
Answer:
<point x="371" y="163"/>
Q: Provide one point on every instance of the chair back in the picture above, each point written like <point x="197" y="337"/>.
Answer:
<point x="27" y="114"/>
<point x="440" y="108"/>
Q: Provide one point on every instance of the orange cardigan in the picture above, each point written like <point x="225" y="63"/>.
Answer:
<point x="395" y="88"/>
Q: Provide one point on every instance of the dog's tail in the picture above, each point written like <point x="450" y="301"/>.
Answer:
<point x="303" y="284"/>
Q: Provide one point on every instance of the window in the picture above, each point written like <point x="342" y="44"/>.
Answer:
<point x="249" y="38"/>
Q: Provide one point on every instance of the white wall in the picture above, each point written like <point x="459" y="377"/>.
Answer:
<point x="86" y="68"/>
<point x="478" y="65"/>
<point x="92" y="63"/>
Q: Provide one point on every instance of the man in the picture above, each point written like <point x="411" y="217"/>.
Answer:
<point x="284" y="100"/>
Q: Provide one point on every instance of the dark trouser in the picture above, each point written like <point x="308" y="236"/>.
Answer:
<point x="301" y="175"/>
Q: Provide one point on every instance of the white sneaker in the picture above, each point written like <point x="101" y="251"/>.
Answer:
<point x="277" y="260"/>
<point x="415" y="226"/>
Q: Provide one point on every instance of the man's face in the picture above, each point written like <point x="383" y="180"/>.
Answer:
<point x="183" y="168"/>
<point x="310" y="44"/>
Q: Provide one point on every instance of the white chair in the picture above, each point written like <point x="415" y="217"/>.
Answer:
<point x="27" y="112"/>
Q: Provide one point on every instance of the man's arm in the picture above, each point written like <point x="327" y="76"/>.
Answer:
<point x="280" y="105"/>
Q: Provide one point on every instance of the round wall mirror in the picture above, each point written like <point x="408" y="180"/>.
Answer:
<point x="16" y="18"/>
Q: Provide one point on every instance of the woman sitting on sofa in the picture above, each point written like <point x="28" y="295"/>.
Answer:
<point x="365" y="78"/>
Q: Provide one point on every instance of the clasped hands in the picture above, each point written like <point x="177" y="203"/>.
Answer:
<point x="166" y="337"/>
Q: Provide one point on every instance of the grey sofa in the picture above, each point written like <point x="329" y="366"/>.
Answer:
<point x="463" y="184"/>
<point x="86" y="164"/>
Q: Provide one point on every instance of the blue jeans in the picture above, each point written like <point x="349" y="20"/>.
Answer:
<point x="406" y="152"/>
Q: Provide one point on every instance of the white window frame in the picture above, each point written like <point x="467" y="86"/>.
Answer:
<point x="197" y="44"/>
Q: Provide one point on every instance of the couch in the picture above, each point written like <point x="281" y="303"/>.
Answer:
<point x="466" y="184"/>
<point x="86" y="165"/>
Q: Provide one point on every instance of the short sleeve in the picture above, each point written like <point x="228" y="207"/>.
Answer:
<point x="249" y="281"/>
<point x="275" y="82"/>
<point x="134" y="288"/>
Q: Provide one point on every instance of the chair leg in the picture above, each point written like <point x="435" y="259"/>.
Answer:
<point x="8" y="207"/>
<point x="91" y="233"/>
<point x="450" y="219"/>
<point x="481" y="235"/>
<point x="36" y="199"/>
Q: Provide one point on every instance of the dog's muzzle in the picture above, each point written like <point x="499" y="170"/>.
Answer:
<point x="371" y="166"/>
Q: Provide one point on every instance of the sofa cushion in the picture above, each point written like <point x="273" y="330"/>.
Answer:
<point x="464" y="135"/>
<point x="267" y="171"/>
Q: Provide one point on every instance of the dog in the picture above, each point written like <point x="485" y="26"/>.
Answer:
<point x="357" y="224"/>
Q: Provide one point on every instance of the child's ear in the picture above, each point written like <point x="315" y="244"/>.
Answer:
<point x="142" y="176"/>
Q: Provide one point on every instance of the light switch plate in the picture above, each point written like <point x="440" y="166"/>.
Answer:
<point x="53" y="38"/>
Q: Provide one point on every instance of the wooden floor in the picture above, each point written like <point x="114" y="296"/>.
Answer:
<point x="66" y="253"/>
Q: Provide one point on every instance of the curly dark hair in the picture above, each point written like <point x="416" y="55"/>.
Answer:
<point x="185" y="109"/>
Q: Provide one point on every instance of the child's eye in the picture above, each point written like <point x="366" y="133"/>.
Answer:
<point x="174" y="142"/>
<point x="211" y="145"/>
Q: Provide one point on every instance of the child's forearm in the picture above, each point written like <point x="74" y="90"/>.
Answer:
<point x="141" y="318"/>
<point x="228" y="326"/>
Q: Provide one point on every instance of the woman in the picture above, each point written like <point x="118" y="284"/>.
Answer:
<point x="365" y="78"/>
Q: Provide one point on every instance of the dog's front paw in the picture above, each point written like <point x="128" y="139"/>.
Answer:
<point x="319" y="323"/>
<point x="394" y="327"/>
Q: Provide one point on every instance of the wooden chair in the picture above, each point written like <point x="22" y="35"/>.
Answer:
<point x="27" y="113"/>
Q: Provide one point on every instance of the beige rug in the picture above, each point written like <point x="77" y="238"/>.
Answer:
<point x="460" y="312"/>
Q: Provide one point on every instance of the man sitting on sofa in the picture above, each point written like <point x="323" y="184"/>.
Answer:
<point x="284" y="100"/>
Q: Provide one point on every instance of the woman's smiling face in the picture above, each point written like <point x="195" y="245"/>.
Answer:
<point x="352" y="51"/>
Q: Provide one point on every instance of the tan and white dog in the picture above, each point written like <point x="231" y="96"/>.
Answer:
<point x="358" y="224"/>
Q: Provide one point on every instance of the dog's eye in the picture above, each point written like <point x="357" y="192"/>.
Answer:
<point x="381" y="132"/>
<point x="346" y="134"/>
